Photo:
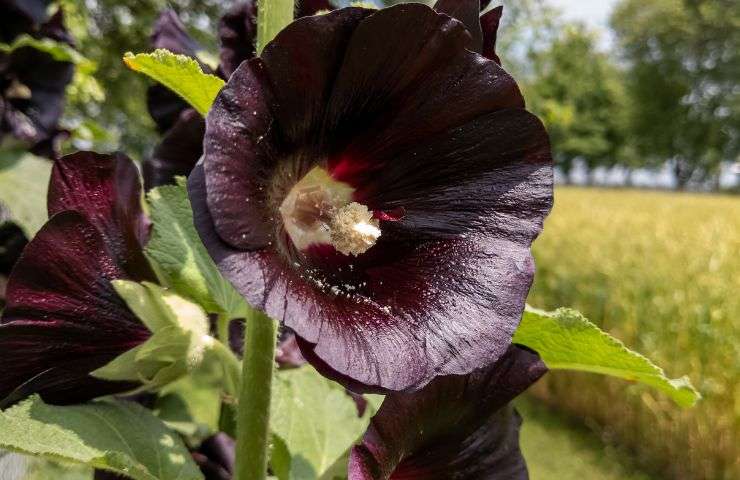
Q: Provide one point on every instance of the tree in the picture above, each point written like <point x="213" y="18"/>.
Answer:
<point x="577" y="91"/>
<point x="683" y="65"/>
<point x="104" y="31"/>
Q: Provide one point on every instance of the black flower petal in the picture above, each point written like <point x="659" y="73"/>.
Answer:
<point x="178" y="152"/>
<point x="419" y="132"/>
<point x="165" y="106"/>
<point x="468" y="12"/>
<point x="63" y="318"/>
<point x="456" y="427"/>
<point x="490" y="22"/>
<point x="32" y="83"/>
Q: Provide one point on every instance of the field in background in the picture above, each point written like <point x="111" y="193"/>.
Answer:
<point x="660" y="271"/>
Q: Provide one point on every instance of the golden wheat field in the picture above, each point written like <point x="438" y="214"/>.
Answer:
<point x="660" y="271"/>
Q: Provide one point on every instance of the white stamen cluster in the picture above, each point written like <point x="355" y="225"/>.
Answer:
<point x="353" y="230"/>
<point x="319" y="209"/>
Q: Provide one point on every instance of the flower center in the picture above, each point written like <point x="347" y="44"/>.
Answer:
<point x="319" y="210"/>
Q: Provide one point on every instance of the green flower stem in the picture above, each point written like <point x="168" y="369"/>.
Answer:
<point x="260" y="332"/>
<point x="253" y="415"/>
<point x="272" y="16"/>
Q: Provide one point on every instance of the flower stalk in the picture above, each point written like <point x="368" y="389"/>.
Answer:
<point x="272" y="16"/>
<point x="253" y="417"/>
<point x="260" y="332"/>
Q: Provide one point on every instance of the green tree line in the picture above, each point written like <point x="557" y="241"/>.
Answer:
<point x="665" y="92"/>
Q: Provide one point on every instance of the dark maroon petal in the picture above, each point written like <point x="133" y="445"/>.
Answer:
<point x="457" y="427"/>
<point x="468" y="12"/>
<point x="490" y="22"/>
<point x="169" y="33"/>
<point x="63" y="319"/>
<point x="20" y="16"/>
<point x="54" y="28"/>
<point x="34" y="120"/>
<point x="444" y="307"/>
<point x="237" y="31"/>
<point x="376" y="76"/>
<point x="236" y="136"/>
<point x="216" y="457"/>
<point x="463" y="89"/>
<point x="432" y="131"/>
<point x="505" y="154"/>
<point x="301" y="63"/>
<point x="106" y="190"/>
<point x="163" y="104"/>
<point x="288" y="354"/>
<point x="177" y="153"/>
<point x="312" y="7"/>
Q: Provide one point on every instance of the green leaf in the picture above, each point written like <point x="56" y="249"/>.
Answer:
<point x="40" y="469"/>
<point x="179" y="341"/>
<point x="566" y="340"/>
<point x="191" y="406"/>
<point x="314" y="421"/>
<point x="182" y="260"/>
<point x="59" y="51"/>
<point x="24" y="180"/>
<point x="121" y="437"/>
<point x="180" y="74"/>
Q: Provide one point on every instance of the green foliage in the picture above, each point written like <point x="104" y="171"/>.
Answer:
<point x="577" y="92"/>
<point x="683" y="60"/>
<point x="190" y="406"/>
<point x="118" y="436"/>
<point x="567" y="341"/>
<point x="59" y="51"/>
<point x="180" y="74"/>
<point x="314" y="422"/>
<point x="181" y="258"/>
<point x="24" y="180"/>
<point x="659" y="271"/>
<point x="180" y="337"/>
<point x="40" y="469"/>
<point x="273" y="17"/>
<point x="106" y="29"/>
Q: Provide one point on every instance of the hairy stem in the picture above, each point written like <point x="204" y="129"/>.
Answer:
<point x="272" y="16"/>
<point x="260" y="332"/>
<point x="253" y="417"/>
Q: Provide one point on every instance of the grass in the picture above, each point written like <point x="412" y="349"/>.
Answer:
<point x="661" y="271"/>
<point x="555" y="448"/>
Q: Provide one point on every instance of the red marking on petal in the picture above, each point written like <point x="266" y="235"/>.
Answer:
<point x="391" y="215"/>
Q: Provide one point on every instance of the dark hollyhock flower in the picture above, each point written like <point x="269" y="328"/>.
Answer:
<point x="456" y="427"/>
<point x="32" y="83"/>
<point x="63" y="319"/>
<point x="379" y="201"/>
<point x="182" y="127"/>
